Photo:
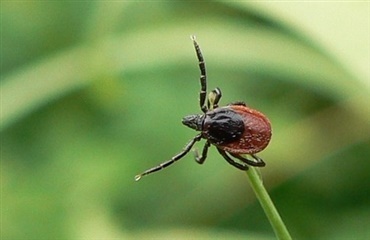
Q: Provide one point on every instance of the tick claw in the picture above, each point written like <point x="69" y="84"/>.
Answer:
<point x="138" y="177"/>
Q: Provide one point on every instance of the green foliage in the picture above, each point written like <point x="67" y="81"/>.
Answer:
<point x="93" y="93"/>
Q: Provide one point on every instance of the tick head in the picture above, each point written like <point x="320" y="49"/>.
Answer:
<point x="194" y="121"/>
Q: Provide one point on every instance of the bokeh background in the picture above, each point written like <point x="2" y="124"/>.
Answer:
<point x="92" y="93"/>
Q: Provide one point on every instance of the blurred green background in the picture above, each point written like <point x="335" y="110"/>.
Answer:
<point x="92" y="93"/>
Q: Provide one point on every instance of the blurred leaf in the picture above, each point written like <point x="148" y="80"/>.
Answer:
<point x="92" y="94"/>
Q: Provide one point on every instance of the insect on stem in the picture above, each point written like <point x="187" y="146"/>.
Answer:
<point x="234" y="129"/>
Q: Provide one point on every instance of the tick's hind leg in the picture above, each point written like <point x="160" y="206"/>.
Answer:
<point x="259" y="160"/>
<point x="258" y="163"/>
<point x="231" y="161"/>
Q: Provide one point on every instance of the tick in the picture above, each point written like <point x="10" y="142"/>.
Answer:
<point x="235" y="130"/>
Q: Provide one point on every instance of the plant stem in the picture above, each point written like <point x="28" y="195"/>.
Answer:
<point x="263" y="197"/>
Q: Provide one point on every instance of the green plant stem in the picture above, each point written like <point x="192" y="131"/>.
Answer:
<point x="263" y="197"/>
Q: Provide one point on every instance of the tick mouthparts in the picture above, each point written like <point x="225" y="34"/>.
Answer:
<point x="193" y="121"/>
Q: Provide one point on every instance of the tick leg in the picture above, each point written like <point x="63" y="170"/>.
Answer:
<point x="259" y="160"/>
<point x="231" y="161"/>
<point x="186" y="149"/>
<point x="200" y="159"/>
<point x="240" y="103"/>
<point x="213" y="98"/>
<point x="258" y="163"/>
<point x="203" y="76"/>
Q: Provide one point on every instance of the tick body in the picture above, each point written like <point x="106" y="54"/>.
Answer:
<point x="234" y="130"/>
